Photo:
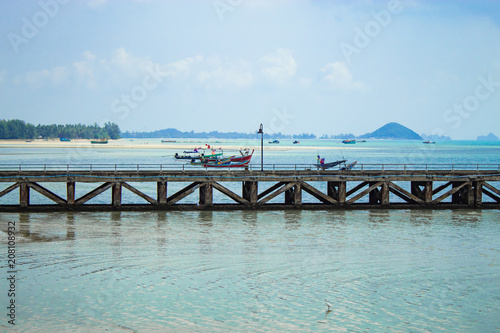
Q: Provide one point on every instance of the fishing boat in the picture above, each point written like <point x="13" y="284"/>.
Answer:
<point x="274" y="142"/>
<point x="198" y="153"/>
<point x="349" y="166"/>
<point x="165" y="141"/>
<point x="323" y="166"/>
<point x="246" y="155"/>
<point x="429" y="142"/>
<point x="229" y="162"/>
<point x="188" y="155"/>
<point x="349" y="141"/>
<point x="100" y="141"/>
<point x="203" y="161"/>
<point x="296" y="142"/>
<point x="227" y="165"/>
<point x="64" y="140"/>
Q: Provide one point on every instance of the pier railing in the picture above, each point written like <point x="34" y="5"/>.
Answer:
<point x="253" y="167"/>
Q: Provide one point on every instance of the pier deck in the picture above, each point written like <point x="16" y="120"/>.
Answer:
<point x="369" y="186"/>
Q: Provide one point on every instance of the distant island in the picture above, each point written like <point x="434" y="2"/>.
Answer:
<point x="392" y="131"/>
<point x="489" y="137"/>
<point x="435" y="137"/>
<point x="174" y="133"/>
<point x="18" y="129"/>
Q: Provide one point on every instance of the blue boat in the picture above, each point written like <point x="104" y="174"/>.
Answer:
<point x="64" y="140"/>
<point x="274" y="141"/>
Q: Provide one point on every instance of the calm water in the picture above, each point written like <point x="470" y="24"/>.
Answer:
<point x="398" y="271"/>
<point x="383" y="271"/>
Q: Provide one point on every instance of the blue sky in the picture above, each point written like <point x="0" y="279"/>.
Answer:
<point x="322" y="67"/>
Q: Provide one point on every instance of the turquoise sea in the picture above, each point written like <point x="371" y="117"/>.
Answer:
<point x="256" y="271"/>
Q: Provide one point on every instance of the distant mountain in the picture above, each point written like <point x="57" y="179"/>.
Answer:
<point x="489" y="137"/>
<point x="392" y="131"/>
<point x="174" y="133"/>
<point x="435" y="137"/>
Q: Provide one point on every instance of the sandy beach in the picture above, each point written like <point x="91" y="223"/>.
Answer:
<point x="187" y="144"/>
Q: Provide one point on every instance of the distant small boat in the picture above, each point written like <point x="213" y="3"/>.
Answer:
<point x="100" y="141"/>
<point x="349" y="141"/>
<point x="274" y="141"/>
<point x="64" y="140"/>
<point x="429" y="142"/>
<point x="296" y="142"/>
<point x="362" y="141"/>
<point x="164" y="141"/>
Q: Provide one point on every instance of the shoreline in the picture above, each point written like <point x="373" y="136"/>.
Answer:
<point x="143" y="144"/>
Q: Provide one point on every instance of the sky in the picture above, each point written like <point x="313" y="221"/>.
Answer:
<point x="294" y="66"/>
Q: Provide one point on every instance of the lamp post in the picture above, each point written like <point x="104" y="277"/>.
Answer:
<point x="261" y="132"/>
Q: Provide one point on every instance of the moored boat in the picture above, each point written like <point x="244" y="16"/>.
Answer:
<point x="323" y="166"/>
<point x="349" y="166"/>
<point x="99" y="141"/>
<point x="349" y="141"/>
<point x="198" y="153"/>
<point x="64" y="140"/>
<point x="230" y="162"/>
<point x="274" y="141"/>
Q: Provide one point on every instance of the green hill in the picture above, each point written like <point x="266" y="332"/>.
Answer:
<point x="392" y="131"/>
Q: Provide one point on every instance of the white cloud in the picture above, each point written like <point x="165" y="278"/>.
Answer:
<point x="183" y="67"/>
<point x="338" y="76"/>
<point x="128" y="64"/>
<point x="279" y="66"/>
<point x="217" y="74"/>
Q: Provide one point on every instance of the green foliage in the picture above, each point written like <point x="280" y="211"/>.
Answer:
<point x="18" y="129"/>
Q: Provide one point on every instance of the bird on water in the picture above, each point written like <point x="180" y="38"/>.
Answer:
<point x="328" y="305"/>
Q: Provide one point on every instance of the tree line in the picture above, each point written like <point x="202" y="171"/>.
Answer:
<point x="18" y="129"/>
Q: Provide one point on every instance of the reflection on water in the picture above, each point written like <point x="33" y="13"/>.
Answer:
<point x="258" y="271"/>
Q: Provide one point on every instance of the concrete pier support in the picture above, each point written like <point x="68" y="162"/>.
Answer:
<point x="337" y="191"/>
<point x="422" y="190"/>
<point x="478" y="193"/>
<point x="161" y="188"/>
<point x="116" y="195"/>
<point x="70" y="192"/>
<point x="384" y="194"/>
<point x="297" y="195"/>
<point x="24" y="195"/>
<point x="206" y="194"/>
<point x="250" y="191"/>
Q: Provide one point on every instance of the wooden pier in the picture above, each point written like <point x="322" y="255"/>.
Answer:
<point x="384" y="187"/>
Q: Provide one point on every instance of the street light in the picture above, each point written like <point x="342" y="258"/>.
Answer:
<point x="261" y="132"/>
